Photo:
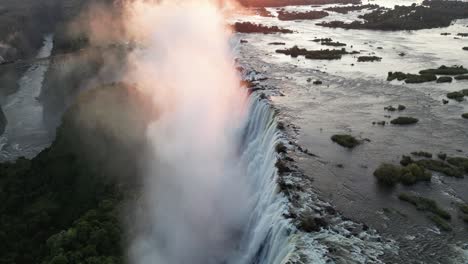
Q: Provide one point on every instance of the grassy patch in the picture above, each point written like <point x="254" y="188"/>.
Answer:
<point x="346" y="141"/>
<point x="425" y="204"/>
<point x="440" y="166"/>
<point x="459" y="162"/>
<point x="440" y="223"/>
<point x="414" y="173"/>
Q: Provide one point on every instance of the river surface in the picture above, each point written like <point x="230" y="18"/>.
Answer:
<point x="352" y="96"/>
<point x="26" y="134"/>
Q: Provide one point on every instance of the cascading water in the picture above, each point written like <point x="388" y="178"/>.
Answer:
<point x="211" y="190"/>
<point x="267" y="235"/>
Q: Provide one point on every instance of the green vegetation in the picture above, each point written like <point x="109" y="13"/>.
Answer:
<point x="389" y="174"/>
<point x="248" y="27"/>
<point x="346" y="141"/>
<point x="459" y="162"/>
<point x="400" y="76"/>
<point x="457" y="96"/>
<point x="461" y="77"/>
<point x="444" y="79"/>
<point x="422" y="154"/>
<point x="414" y="173"/>
<point x="464" y="208"/>
<point x="333" y="44"/>
<point x="440" y="223"/>
<point x="309" y="15"/>
<point x="327" y="54"/>
<point x="60" y="205"/>
<point x="425" y="204"/>
<point x="411" y="78"/>
<point x="464" y="115"/>
<point x="440" y="166"/>
<point x="422" y="78"/>
<point x="406" y="160"/>
<point x="403" y="120"/>
<point x="442" y="156"/>
<point x="430" y="14"/>
<point x="369" y="58"/>
<point x="444" y="70"/>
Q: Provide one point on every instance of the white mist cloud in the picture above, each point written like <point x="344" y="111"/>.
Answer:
<point x="195" y="199"/>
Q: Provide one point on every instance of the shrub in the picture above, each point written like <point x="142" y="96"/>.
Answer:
<point x="440" y="166"/>
<point x="388" y="174"/>
<point x="414" y="173"/>
<point x="425" y="204"/>
<point x="459" y="162"/>
<point x="465" y="115"/>
<point x="346" y="141"/>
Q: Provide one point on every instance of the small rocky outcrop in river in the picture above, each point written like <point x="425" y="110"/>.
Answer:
<point x="279" y="3"/>
<point x="310" y="15"/>
<point x="404" y="120"/>
<point x="346" y="141"/>
<point x="347" y="9"/>
<point x="327" y="54"/>
<point x="369" y="58"/>
<point x="248" y="27"/>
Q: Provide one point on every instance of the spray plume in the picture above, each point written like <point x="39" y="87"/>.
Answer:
<point x="195" y="197"/>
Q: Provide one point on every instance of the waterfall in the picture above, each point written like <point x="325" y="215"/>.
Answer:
<point x="267" y="235"/>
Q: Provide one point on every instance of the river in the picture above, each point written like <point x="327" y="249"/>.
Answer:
<point x="352" y="96"/>
<point x="26" y="134"/>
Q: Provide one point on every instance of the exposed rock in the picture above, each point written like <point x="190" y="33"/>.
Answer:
<point x="277" y="43"/>
<point x="327" y="54"/>
<point x="369" y="58"/>
<point x="347" y="9"/>
<point x="310" y="15"/>
<point x="404" y="120"/>
<point x="444" y="70"/>
<point x="248" y="27"/>
<point x="280" y="3"/>
<point x="346" y="141"/>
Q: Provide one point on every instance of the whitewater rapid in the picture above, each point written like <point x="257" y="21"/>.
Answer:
<point x="267" y="236"/>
